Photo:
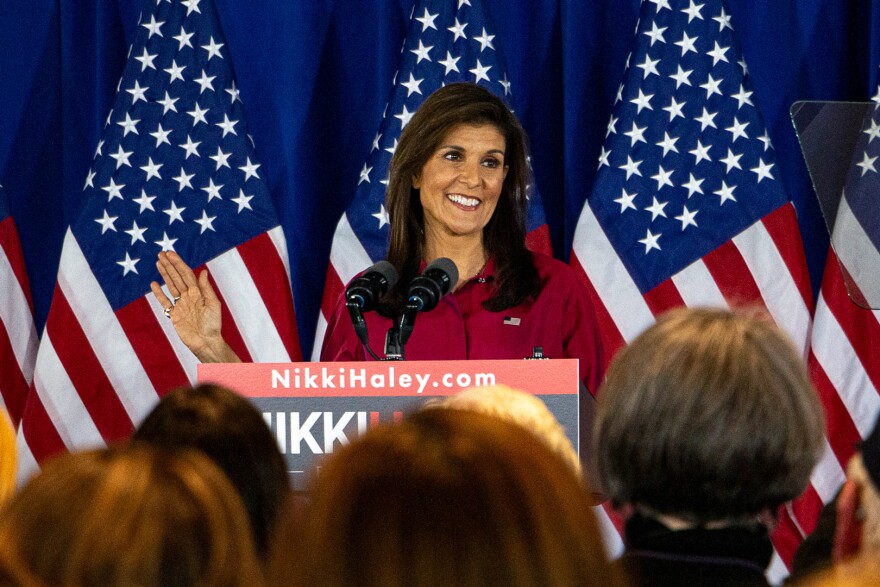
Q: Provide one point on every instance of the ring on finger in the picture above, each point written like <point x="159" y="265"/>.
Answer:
<point x="168" y="311"/>
<point x="174" y="300"/>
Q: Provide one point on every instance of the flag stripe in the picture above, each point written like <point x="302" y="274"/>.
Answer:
<point x="37" y="437"/>
<point x="93" y="314"/>
<point x="13" y="385"/>
<point x="611" y="338"/>
<point x="348" y="257"/>
<point x="252" y="319"/>
<point x="774" y="276"/>
<point x="85" y="371"/>
<point x="789" y="247"/>
<point x="663" y="296"/>
<point x="843" y="436"/>
<point x="347" y="254"/>
<point x="828" y="475"/>
<point x="696" y="286"/>
<point x="609" y="532"/>
<point x="67" y="415"/>
<point x="332" y="290"/>
<point x="860" y="326"/>
<point x="623" y="300"/>
<point x="152" y="346"/>
<point x="231" y="334"/>
<point x="854" y="247"/>
<point x="728" y="269"/>
<point x="857" y="392"/>
<point x="260" y="256"/>
<point x="27" y="463"/>
<point x="10" y="246"/>
<point x="16" y="310"/>
<point x="847" y="377"/>
<point x="280" y="244"/>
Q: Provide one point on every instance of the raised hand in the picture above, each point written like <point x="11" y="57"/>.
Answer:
<point x="194" y="309"/>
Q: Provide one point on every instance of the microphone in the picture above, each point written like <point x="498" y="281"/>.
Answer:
<point x="425" y="291"/>
<point x="363" y="293"/>
<point x="372" y="284"/>
<point x="437" y="280"/>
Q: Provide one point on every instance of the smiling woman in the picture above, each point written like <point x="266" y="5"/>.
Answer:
<point x="460" y="185"/>
<point x="457" y="189"/>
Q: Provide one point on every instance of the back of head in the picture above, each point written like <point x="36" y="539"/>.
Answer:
<point x="128" y="516"/>
<point x="230" y="430"/>
<point x="520" y="408"/>
<point x="451" y="497"/>
<point x="707" y="415"/>
<point x="7" y="457"/>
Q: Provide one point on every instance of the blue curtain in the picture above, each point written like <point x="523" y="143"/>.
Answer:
<point x="315" y="75"/>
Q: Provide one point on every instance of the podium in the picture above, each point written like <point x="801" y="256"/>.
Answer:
<point x="314" y="408"/>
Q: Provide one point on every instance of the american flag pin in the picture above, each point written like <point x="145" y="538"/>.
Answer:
<point x="512" y="321"/>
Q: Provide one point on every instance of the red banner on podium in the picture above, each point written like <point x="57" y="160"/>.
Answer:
<point x="313" y="408"/>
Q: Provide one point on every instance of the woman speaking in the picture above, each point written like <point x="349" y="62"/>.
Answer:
<point x="457" y="189"/>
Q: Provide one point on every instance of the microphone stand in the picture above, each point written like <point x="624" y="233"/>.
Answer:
<point x="393" y="346"/>
<point x="399" y="333"/>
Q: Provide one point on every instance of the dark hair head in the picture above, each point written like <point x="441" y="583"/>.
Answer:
<point x="130" y="515"/>
<point x="450" y="497"/>
<point x="504" y="236"/>
<point x="707" y="415"/>
<point x="230" y="430"/>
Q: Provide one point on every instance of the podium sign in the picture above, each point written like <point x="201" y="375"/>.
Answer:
<point x="314" y="408"/>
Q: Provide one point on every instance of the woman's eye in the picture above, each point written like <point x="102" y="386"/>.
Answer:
<point x="452" y="156"/>
<point x="491" y="163"/>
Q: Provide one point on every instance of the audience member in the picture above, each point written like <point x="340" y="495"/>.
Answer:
<point x="855" y="525"/>
<point x="448" y="497"/>
<point x="705" y="425"/>
<point x="230" y="430"/>
<point x="7" y="457"/>
<point x="128" y="516"/>
<point x="519" y="408"/>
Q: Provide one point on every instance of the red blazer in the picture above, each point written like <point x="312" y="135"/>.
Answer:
<point x="561" y="320"/>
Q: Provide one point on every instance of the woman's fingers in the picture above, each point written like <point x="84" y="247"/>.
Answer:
<point x="160" y="295"/>
<point x="182" y="269"/>
<point x="206" y="287"/>
<point x="177" y="274"/>
<point x="170" y="275"/>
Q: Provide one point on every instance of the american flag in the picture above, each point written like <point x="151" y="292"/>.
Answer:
<point x="174" y="170"/>
<point x="446" y="42"/>
<point x="843" y="358"/>
<point x="688" y="208"/>
<point x="18" y="337"/>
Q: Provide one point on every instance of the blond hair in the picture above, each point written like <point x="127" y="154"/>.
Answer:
<point x="450" y="497"/>
<point x="129" y="516"/>
<point x="521" y="408"/>
<point x="708" y="414"/>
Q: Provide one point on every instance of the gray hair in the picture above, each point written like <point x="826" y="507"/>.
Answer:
<point x="707" y="415"/>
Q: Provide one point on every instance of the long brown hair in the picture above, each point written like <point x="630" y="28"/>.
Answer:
<point x="707" y="415"/>
<point x="515" y="277"/>
<point x="231" y="431"/>
<point x="450" y="497"/>
<point x="129" y="516"/>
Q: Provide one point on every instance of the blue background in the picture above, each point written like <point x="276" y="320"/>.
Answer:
<point x="315" y="75"/>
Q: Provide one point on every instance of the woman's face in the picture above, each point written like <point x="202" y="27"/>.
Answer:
<point x="460" y="184"/>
